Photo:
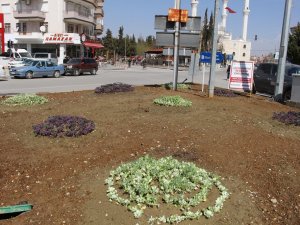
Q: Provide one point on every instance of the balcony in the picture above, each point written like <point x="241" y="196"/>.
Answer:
<point x="78" y="17"/>
<point x="99" y="11"/>
<point x="99" y="27"/>
<point x="93" y="2"/>
<point x="29" y="15"/>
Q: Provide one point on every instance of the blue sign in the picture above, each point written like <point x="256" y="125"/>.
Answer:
<point x="205" y="57"/>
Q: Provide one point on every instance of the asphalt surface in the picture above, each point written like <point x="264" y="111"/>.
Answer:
<point x="134" y="75"/>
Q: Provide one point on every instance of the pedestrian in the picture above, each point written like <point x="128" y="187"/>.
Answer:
<point x="228" y="71"/>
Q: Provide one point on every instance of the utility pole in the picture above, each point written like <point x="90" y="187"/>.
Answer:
<point x="283" y="50"/>
<point x="211" y="85"/>
<point x="176" y="47"/>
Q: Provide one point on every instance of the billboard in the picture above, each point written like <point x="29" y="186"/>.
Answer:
<point x="241" y="75"/>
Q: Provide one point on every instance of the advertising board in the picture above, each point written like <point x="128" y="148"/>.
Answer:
<point x="241" y="75"/>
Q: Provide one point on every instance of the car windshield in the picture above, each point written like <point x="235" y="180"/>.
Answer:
<point x="25" y="55"/>
<point x="33" y="63"/>
<point x="27" y="61"/>
<point x="74" y="61"/>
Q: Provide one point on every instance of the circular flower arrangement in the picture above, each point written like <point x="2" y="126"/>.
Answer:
<point x="225" y="93"/>
<point x="289" y="118"/>
<point x="25" y="99"/>
<point x="59" y="126"/>
<point x="113" y="88"/>
<point x="148" y="182"/>
<point x="172" y="101"/>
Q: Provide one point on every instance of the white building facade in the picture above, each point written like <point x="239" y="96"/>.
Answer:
<point x="54" y="26"/>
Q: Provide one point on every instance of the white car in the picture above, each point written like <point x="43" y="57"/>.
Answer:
<point x="2" y="73"/>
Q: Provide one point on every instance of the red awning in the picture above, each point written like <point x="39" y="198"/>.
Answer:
<point x="93" y="45"/>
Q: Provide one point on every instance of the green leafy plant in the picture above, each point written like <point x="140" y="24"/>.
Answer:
<point x="179" y="86"/>
<point x="148" y="182"/>
<point x="25" y="99"/>
<point x="172" y="101"/>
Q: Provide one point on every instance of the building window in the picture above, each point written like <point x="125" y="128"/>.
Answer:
<point x="244" y="54"/>
<point x="5" y="8"/>
<point x="45" y="24"/>
<point x="21" y="27"/>
<point x="7" y="28"/>
<point x="70" y="28"/>
<point x="245" y="46"/>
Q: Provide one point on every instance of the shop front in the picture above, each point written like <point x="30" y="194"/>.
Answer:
<point x="63" y="44"/>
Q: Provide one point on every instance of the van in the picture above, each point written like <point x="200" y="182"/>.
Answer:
<point x="20" y="54"/>
<point x="44" y="55"/>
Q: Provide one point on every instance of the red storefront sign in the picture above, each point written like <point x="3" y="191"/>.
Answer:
<point x="2" y="29"/>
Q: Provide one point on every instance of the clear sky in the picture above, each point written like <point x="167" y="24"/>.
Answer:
<point x="265" y="18"/>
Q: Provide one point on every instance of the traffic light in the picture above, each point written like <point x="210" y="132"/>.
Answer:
<point x="255" y="37"/>
<point x="10" y="44"/>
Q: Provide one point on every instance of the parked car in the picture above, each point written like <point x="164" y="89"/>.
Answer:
<point x="43" y="55"/>
<point x="19" y="63"/>
<point x="38" y="68"/>
<point x="2" y="73"/>
<point x="78" y="66"/>
<point x="265" y="77"/>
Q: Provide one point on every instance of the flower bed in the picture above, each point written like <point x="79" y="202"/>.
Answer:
<point x="148" y="182"/>
<point x="172" y="101"/>
<point x="289" y="118"/>
<point x="25" y="99"/>
<point x="113" y="88"/>
<point x="225" y="93"/>
<point x="59" y="126"/>
<point x="179" y="86"/>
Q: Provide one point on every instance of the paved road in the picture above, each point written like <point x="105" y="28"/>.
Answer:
<point x="135" y="75"/>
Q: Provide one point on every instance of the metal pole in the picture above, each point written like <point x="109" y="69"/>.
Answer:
<point x="211" y="85"/>
<point x="176" y="48"/>
<point x="283" y="48"/>
<point x="125" y="49"/>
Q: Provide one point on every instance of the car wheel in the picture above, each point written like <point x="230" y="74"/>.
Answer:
<point x="56" y="74"/>
<point x="253" y="89"/>
<point x="93" y="71"/>
<point x="29" y="75"/>
<point x="76" y="72"/>
<point x="287" y="95"/>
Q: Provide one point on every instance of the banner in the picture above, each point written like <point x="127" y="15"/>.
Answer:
<point x="241" y="75"/>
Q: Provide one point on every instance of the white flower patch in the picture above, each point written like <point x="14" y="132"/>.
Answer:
<point x="147" y="182"/>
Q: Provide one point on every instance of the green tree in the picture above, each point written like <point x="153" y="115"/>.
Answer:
<point x="204" y="39"/>
<point x="121" y="42"/>
<point x="108" y="42"/>
<point x="293" y="53"/>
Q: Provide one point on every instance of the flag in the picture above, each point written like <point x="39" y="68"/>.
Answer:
<point x="230" y="10"/>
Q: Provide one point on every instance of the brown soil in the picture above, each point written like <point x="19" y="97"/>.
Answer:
<point x="235" y="138"/>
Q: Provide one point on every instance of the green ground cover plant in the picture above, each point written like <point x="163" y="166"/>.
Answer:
<point x="150" y="182"/>
<point x="172" y="101"/>
<point x="25" y="99"/>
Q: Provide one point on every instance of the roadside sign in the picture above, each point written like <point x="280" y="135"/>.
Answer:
<point x="178" y="15"/>
<point x="241" y="75"/>
<point x="205" y="57"/>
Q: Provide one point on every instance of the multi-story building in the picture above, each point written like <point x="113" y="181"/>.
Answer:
<point x="64" y="27"/>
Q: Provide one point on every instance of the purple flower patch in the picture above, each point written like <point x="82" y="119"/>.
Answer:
<point x="60" y="126"/>
<point x="225" y="93"/>
<point x="289" y="118"/>
<point x="113" y="88"/>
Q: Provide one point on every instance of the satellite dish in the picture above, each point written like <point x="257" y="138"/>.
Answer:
<point x="43" y="29"/>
